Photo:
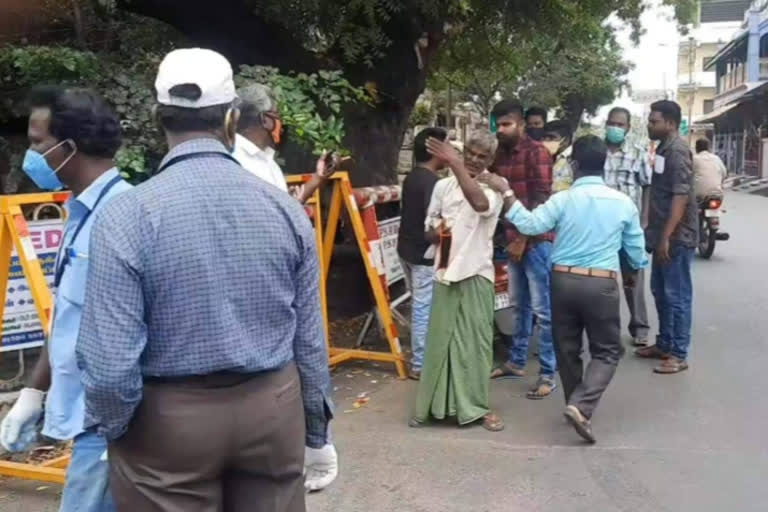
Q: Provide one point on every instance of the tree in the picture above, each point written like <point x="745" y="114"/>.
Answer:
<point x="386" y="45"/>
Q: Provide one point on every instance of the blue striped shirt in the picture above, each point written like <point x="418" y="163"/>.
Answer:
<point x="203" y="268"/>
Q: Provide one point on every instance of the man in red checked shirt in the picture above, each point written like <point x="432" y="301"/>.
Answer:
<point x="527" y="166"/>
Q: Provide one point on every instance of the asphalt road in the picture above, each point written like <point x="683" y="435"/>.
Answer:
<point x="689" y="442"/>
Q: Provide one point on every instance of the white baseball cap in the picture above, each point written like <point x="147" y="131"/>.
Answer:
<point x="208" y="70"/>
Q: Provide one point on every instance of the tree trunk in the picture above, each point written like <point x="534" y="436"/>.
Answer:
<point x="573" y="109"/>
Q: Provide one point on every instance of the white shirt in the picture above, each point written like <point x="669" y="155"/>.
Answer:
<point x="471" y="252"/>
<point x="709" y="173"/>
<point x="259" y="162"/>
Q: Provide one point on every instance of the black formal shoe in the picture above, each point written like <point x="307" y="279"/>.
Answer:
<point x="580" y="423"/>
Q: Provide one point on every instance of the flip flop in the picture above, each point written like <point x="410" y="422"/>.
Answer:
<point x="493" y="423"/>
<point x="507" y="372"/>
<point x="543" y="388"/>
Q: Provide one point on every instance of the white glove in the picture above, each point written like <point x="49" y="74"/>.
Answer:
<point x="19" y="427"/>
<point x="321" y="466"/>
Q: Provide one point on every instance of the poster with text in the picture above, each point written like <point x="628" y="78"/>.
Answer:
<point x="21" y="325"/>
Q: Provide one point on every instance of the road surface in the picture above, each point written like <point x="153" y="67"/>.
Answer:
<point x="690" y="442"/>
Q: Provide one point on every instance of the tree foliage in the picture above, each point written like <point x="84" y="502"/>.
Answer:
<point x="310" y="104"/>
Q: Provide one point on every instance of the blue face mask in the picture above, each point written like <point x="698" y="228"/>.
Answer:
<point x="36" y="167"/>
<point x="614" y="134"/>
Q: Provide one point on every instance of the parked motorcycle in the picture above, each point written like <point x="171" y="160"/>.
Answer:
<point x="709" y="224"/>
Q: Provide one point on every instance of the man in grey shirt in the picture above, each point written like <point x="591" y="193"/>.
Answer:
<point x="671" y="236"/>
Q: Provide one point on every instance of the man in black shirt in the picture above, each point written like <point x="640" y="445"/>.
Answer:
<point x="412" y="242"/>
<point x="671" y="236"/>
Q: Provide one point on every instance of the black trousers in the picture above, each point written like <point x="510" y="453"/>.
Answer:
<point x="586" y="303"/>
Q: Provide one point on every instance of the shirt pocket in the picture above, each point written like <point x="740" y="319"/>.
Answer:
<point x="72" y="286"/>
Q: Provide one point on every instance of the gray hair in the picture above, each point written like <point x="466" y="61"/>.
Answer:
<point x="483" y="139"/>
<point x="257" y="97"/>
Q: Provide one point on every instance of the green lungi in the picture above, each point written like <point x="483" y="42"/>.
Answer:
<point x="459" y="355"/>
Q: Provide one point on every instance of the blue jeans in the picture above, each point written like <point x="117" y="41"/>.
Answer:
<point x="673" y="292"/>
<point x="87" y="486"/>
<point x="529" y="288"/>
<point x="420" y="280"/>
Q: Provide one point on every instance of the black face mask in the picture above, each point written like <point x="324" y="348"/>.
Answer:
<point x="535" y="133"/>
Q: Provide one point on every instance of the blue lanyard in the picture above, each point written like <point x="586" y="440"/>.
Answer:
<point x="66" y="253"/>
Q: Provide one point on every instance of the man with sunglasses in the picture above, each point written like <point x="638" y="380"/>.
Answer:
<point x="259" y="132"/>
<point x="73" y="137"/>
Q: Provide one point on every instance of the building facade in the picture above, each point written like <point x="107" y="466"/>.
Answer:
<point x="740" y="116"/>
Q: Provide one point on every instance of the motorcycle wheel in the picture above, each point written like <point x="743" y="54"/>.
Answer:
<point x="707" y="239"/>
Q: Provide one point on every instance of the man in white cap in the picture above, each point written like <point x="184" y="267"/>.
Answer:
<point x="201" y="349"/>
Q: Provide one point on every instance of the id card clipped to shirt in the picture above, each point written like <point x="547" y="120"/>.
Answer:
<point x="658" y="164"/>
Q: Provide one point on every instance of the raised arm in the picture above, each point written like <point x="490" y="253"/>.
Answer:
<point x="471" y="189"/>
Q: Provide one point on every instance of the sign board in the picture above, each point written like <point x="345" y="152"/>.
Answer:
<point x="388" y="230"/>
<point x="684" y="127"/>
<point x="648" y="96"/>
<point x="21" y="325"/>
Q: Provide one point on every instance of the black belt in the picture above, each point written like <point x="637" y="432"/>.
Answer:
<point x="211" y="380"/>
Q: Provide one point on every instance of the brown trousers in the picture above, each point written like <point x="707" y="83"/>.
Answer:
<point x="221" y="443"/>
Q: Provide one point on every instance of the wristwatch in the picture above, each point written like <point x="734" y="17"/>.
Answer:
<point x="509" y="193"/>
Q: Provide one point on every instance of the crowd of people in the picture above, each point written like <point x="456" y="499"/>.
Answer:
<point x="576" y="216"/>
<point x="186" y="356"/>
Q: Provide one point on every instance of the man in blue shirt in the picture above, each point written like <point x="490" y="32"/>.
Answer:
<point x="202" y="347"/>
<point x="73" y="137"/>
<point x="592" y="222"/>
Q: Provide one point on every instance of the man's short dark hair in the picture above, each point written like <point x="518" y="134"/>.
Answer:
<point x="420" y="153"/>
<point x="590" y="153"/>
<point x="82" y="116"/>
<point x="669" y="110"/>
<point x="621" y="110"/>
<point x="507" y="107"/>
<point x="702" y="145"/>
<point x="559" y="126"/>
<point x="181" y="119"/>
<point x="536" y="111"/>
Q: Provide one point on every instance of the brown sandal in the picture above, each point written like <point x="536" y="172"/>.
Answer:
<point x="507" y="371"/>
<point x="671" y="366"/>
<point x="493" y="423"/>
<point x="652" y="352"/>
<point x="543" y="388"/>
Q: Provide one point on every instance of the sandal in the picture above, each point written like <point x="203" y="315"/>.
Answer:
<point x="671" y="366"/>
<point x="416" y="423"/>
<point x="543" y="388"/>
<point x="507" y="371"/>
<point x="637" y="341"/>
<point x="493" y="423"/>
<point x="652" y="352"/>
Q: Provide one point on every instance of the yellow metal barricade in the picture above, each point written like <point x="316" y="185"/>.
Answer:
<point x="14" y="234"/>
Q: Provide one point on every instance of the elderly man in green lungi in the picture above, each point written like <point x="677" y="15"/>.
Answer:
<point x="460" y="222"/>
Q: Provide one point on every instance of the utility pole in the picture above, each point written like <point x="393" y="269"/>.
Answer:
<point x="692" y="83"/>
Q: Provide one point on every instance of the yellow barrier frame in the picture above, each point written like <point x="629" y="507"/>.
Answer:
<point x="343" y="196"/>
<point x="14" y="233"/>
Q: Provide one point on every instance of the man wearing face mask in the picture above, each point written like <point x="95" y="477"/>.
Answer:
<point x="627" y="169"/>
<point x="202" y="347"/>
<point x="259" y="131"/>
<point x="557" y="140"/>
<point x="527" y="166"/>
<point x="73" y="137"/>
<point x="535" y="120"/>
